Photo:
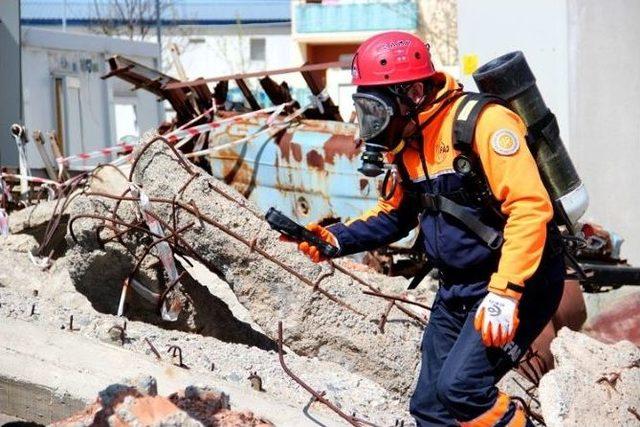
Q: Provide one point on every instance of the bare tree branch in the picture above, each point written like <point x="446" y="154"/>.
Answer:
<point x="438" y="23"/>
<point x="133" y="19"/>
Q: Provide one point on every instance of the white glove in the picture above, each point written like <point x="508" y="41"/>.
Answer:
<point x="497" y="319"/>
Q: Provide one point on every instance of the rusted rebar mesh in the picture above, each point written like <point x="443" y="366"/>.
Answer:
<point x="328" y="316"/>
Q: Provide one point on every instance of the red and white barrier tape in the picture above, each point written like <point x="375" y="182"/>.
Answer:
<point x="4" y="190"/>
<point x="124" y="147"/>
<point x="42" y="263"/>
<point x="219" y="124"/>
<point x="177" y="135"/>
<point x="4" y="223"/>
<point x="32" y="179"/>
<point x="271" y="127"/>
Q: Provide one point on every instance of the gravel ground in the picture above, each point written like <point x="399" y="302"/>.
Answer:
<point x="56" y="302"/>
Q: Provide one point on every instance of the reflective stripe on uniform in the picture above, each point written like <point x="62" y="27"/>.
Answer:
<point x="492" y="416"/>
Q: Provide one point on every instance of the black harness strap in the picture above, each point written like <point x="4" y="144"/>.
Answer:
<point x="435" y="203"/>
<point x="453" y="204"/>
<point x="487" y="234"/>
<point x="464" y="128"/>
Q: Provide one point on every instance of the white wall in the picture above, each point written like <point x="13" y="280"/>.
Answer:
<point x="584" y="54"/>
<point x="492" y="28"/>
<point x="604" y="41"/>
<point x="205" y="55"/>
<point x="80" y="60"/>
<point x="213" y="51"/>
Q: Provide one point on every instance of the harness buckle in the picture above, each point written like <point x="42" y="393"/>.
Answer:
<point x="430" y="202"/>
<point x="497" y="242"/>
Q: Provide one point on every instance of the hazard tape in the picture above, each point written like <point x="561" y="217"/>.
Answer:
<point x="271" y="127"/>
<point x="103" y="152"/>
<point x="4" y="190"/>
<point x="219" y="124"/>
<point x="172" y="137"/>
<point x="32" y="179"/>
<point x="4" y="223"/>
<point x="42" y="263"/>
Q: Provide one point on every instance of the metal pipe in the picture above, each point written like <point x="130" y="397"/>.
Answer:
<point x="159" y="33"/>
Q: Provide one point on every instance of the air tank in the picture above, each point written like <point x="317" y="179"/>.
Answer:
<point x="510" y="78"/>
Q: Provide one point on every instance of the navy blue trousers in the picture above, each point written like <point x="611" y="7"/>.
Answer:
<point x="458" y="373"/>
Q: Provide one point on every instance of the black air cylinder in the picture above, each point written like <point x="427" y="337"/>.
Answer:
<point x="510" y="78"/>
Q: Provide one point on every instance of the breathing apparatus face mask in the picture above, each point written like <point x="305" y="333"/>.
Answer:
<point x="381" y="126"/>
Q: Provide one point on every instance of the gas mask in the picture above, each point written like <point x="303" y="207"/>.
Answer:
<point x="381" y="126"/>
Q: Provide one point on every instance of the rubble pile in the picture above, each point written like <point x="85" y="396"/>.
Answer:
<point x="49" y="300"/>
<point x="324" y="310"/>
<point x="591" y="381"/>
<point x="136" y="402"/>
<point x="252" y="312"/>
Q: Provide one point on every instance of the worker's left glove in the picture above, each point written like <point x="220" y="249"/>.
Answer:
<point x="497" y="319"/>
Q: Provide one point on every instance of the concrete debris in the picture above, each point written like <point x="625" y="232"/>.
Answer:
<point x="44" y="367"/>
<point x="591" y="381"/>
<point x="208" y="360"/>
<point x="136" y="402"/>
<point x="22" y="243"/>
<point x="325" y="313"/>
<point x="109" y="179"/>
<point x="351" y="336"/>
<point x="32" y="217"/>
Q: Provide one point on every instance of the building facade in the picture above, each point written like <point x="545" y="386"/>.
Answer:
<point x="62" y="91"/>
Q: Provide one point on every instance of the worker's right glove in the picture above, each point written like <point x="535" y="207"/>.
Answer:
<point x="497" y="319"/>
<point x="310" y="250"/>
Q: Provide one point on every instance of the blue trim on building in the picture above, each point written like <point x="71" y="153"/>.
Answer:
<point x="178" y="12"/>
<point x="85" y="22"/>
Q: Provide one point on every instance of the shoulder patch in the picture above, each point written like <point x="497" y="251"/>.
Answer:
<point x="505" y="142"/>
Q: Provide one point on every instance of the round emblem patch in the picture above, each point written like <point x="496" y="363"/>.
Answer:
<point x="505" y="142"/>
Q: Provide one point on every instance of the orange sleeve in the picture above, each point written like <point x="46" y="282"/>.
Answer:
<point x="513" y="176"/>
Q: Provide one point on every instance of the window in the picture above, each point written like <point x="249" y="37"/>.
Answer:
<point x="126" y="118"/>
<point x="257" y="49"/>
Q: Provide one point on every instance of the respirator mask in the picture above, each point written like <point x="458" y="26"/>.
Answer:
<point x="381" y="126"/>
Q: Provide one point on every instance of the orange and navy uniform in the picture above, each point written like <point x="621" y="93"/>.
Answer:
<point x="456" y="385"/>
<point x="512" y="175"/>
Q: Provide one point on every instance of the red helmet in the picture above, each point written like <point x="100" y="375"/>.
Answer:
<point x="390" y="58"/>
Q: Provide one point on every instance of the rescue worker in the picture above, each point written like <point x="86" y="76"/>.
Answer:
<point x="497" y="291"/>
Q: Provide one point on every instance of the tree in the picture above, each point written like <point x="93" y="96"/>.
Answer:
<point x="438" y="23"/>
<point x="133" y="19"/>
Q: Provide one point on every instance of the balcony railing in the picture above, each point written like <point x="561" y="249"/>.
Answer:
<point x="353" y="15"/>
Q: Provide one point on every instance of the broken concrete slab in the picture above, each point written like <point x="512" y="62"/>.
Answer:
<point x="33" y="216"/>
<point x="23" y="243"/>
<point x="109" y="179"/>
<point x="45" y="363"/>
<point x="210" y="359"/>
<point x="314" y="324"/>
<point x="18" y="272"/>
<point x="99" y="272"/>
<point x="591" y="381"/>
